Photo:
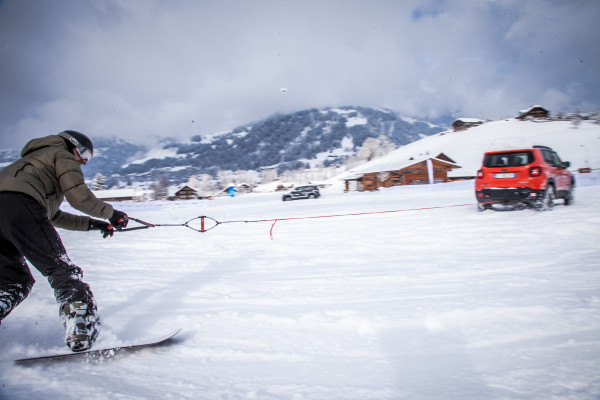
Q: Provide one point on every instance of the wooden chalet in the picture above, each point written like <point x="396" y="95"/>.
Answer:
<point x="535" y="112"/>
<point x="462" y="124"/>
<point x="413" y="171"/>
<point x="186" y="193"/>
<point x="244" y="188"/>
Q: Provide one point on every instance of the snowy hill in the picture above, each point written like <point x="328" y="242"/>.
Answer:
<point x="579" y="145"/>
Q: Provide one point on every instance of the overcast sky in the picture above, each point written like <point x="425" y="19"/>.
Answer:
<point x="145" y="69"/>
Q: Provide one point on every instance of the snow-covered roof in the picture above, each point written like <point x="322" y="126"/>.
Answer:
<point x="396" y="160"/>
<point x="470" y="120"/>
<point x="180" y="188"/>
<point x="353" y="175"/>
<point x="531" y="108"/>
<point x="117" y="193"/>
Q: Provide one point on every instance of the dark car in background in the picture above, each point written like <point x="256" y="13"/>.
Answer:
<point x="302" y="192"/>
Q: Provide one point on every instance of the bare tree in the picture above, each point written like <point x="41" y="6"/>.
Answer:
<point x="161" y="188"/>
<point x="375" y="147"/>
<point x="226" y="178"/>
<point x="268" y="175"/>
<point x="99" y="182"/>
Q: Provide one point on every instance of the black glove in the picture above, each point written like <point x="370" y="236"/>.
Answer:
<point x="104" y="227"/>
<point x="119" y="220"/>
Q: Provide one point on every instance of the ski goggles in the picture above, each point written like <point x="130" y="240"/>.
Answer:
<point x="84" y="152"/>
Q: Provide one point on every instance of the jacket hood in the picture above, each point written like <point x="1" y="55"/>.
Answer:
<point x="39" y="143"/>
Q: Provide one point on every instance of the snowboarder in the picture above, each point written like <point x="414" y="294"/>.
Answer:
<point x="31" y="191"/>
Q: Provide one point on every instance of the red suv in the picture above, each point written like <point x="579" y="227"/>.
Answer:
<point x="532" y="176"/>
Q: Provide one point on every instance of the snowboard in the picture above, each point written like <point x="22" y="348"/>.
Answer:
<point x="97" y="355"/>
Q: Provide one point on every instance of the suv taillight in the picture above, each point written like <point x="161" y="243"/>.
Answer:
<point x="480" y="174"/>
<point x="535" y="171"/>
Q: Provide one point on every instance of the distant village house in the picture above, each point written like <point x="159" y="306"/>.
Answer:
<point x="244" y="188"/>
<point x="535" y="112"/>
<point x="462" y="124"/>
<point x="185" y="193"/>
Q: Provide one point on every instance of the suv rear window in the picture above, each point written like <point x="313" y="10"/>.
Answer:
<point x="551" y="158"/>
<point x="514" y="159"/>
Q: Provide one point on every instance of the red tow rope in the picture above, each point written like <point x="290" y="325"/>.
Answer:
<point x="203" y="218"/>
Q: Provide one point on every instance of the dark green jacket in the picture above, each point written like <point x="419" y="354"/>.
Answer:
<point x="49" y="172"/>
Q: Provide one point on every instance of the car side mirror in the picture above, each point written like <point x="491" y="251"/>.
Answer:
<point x="566" y="164"/>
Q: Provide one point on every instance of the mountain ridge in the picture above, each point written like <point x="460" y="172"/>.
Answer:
<point x="303" y="139"/>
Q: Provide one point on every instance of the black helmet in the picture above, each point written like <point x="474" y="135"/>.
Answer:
<point x="82" y="143"/>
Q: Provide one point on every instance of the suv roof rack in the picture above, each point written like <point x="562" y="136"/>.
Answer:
<point x="542" y="147"/>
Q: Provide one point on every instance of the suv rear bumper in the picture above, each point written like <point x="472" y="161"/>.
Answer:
<point x="508" y="195"/>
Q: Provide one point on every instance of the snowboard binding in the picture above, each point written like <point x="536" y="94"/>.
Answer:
<point x="82" y="325"/>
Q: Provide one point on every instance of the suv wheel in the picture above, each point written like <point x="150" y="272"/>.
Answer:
<point x="569" y="198"/>
<point x="546" y="203"/>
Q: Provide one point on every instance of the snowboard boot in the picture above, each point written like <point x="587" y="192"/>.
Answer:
<point x="82" y="325"/>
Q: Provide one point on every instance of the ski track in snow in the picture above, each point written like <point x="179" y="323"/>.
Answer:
<point x="436" y="303"/>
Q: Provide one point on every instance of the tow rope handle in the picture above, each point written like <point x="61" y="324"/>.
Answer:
<point x="145" y="225"/>
<point x="202" y="229"/>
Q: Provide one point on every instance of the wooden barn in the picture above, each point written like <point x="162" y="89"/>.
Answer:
<point x="186" y="193"/>
<point x="462" y="124"/>
<point x="535" y="112"/>
<point x="411" y="171"/>
<point x="243" y="188"/>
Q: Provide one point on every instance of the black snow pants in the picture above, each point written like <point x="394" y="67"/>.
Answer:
<point x="26" y="233"/>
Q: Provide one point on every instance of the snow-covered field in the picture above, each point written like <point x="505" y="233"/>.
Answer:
<point x="422" y="303"/>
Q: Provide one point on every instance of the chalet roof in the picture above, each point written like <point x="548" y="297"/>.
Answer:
<point x="394" y="162"/>
<point x="185" y="188"/>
